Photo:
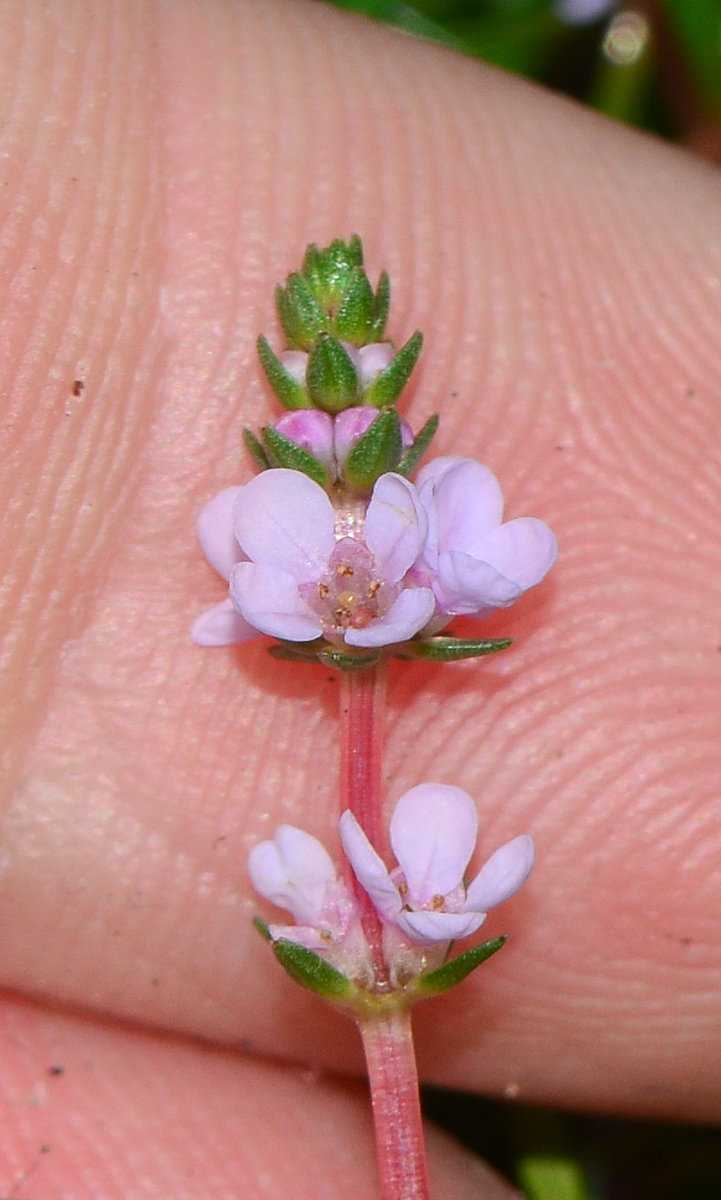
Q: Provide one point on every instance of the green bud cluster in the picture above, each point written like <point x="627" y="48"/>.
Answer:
<point x="332" y="294"/>
<point x="329" y="302"/>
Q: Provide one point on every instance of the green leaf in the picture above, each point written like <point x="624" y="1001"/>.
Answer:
<point x="254" y="447"/>
<point x="451" y="649"/>
<point x="354" y="319"/>
<point x="288" y="390"/>
<point x="387" y="387"/>
<point x="381" y="304"/>
<point x="287" y="453"/>
<point x="306" y="652"/>
<point x="376" y="452"/>
<point x="331" y="376"/>
<point x="299" y="312"/>
<point x="311" y="268"/>
<point x="341" y="661"/>
<point x="432" y="983"/>
<point x="263" y="928"/>
<point x="422" y="441"/>
<point x="309" y="969"/>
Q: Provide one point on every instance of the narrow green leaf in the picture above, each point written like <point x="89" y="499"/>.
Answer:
<point x="331" y="376"/>
<point x="432" y="983"/>
<point x="254" y="448"/>
<point x="263" y="928"/>
<point x="311" y="268"/>
<point x="288" y="390"/>
<point x="299" y="312"/>
<point x="376" y="452"/>
<point x="341" y="661"/>
<point x="381" y="304"/>
<point x="450" y="649"/>
<point x="422" y="441"/>
<point x="309" y="969"/>
<point x="306" y="652"/>
<point x="387" y="387"/>
<point x="289" y="454"/>
<point x="354" y="318"/>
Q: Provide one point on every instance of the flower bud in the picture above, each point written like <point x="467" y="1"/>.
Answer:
<point x="311" y="429"/>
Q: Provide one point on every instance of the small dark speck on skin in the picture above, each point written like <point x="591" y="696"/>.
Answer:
<point x="78" y="387"/>
<point x="57" y="1070"/>
<point x="45" y="1149"/>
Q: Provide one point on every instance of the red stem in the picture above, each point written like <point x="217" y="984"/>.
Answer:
<point x="388" y="1045"/>
<point x="387" y="1037"/>
<point x="362" y="709"/>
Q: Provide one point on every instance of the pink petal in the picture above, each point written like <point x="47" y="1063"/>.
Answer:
<point x="374" y="359"/>
<point x="295" y="363"/>
<point x="434" y="471"/>
<point x="465" y="585"/>
<point x="428" y="927"/>
<point x="269" y="599"/>
<point x="349" y="426"/>
<point x="502" y="876"/>
<point x="433" y="833"/>
<point x="221" y="626"/>
<point x="523" y="550"/>
<point x="293" y="871"/>
<point x="301" y="935"/>
<point x="369" y="868"/>
<point x="284" y="520"/>
<point x="311" y="429"/>
<point x="216" y="534"/>
<point x="469" y="504"/>
<point x="395" y="526"/>
<point x="406" y="616"/>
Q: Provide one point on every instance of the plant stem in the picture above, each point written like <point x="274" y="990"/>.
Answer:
<point x="362" y="712"/>
<point x="387" y="1037"/>
<point x="362" y="709"/>
<point x="388" y="1045"/>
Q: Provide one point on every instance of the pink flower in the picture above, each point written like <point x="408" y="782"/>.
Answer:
<point x="433" y="834"/>
<point x="299" y="569"/>
<point x="331" y="439"/>
<point x="472" y="561"/>
<point x="295" y="872"/>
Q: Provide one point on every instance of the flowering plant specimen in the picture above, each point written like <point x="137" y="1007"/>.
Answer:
<point x="344" y="558"/>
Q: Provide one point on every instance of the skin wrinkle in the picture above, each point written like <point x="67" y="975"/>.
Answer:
<point x="135" y="752"/>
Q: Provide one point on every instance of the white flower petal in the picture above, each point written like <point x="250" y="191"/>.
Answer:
<point x="502" y="876"/>
<point x="469" y="504"/>
<point x="464" y="585"/>
<point x="285" y="520"/>
<point x="395" y="526"/>
<point x="407" y="615"/>
<point x="269" y="599"/>
<point x="222" y="626"/>
<point x="427" y="927"/>
<point x="523" y="550"/>
<point x="293" y="871"/>
<point x="216" y="534"/>
<point x="369" y="868"/>
<point x="433" y="833"/>
<point x="434" y="470"/>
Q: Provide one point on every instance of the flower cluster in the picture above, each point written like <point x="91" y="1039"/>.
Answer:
<point x="422" y="902"/>
<point x="366" y="574"/>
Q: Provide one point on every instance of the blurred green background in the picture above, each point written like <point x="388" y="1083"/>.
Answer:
<point x="656" y="65"/>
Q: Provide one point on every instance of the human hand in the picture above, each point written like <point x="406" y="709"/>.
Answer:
<point x="164" y="169"/>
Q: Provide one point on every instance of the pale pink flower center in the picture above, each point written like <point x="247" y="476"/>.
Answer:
<point x="350" y="593"/>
